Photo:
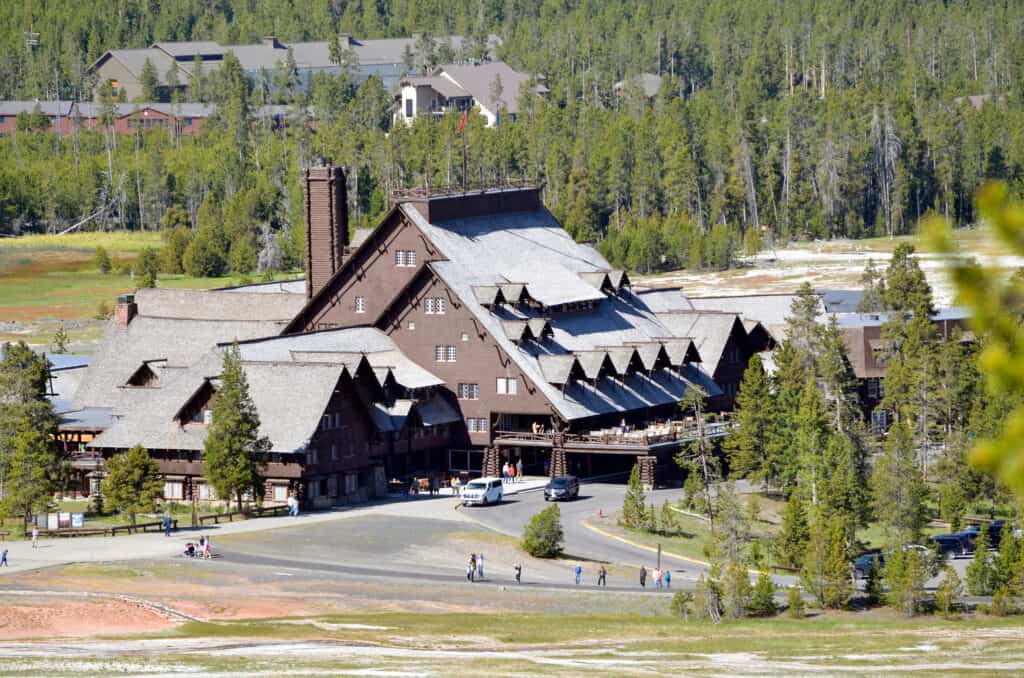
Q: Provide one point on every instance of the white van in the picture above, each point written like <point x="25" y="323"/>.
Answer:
<point x="482" y="491"/>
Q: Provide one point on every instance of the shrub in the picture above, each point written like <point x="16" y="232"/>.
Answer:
<point x="795" y="603"/>
<point x="762" y="603"/>
<point x="947" y="595"/>
<point x="681" y="603"/>
<point x="102" y="259"/>
<point x="543" y="536"/>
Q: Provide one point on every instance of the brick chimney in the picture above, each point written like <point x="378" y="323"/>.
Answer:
<point x="125" y="310"/>
<point x="326" y="223"/>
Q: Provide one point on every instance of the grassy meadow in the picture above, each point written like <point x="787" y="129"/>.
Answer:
<point x="46" y="279"/>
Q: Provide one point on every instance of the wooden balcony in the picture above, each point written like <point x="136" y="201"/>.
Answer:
<point x="655" y="438"/>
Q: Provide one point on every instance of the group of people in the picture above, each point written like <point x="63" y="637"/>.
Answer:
<point x="293" y="506"/>
<point x="512" y="473"/>
<point x="661" y="578"/>
<point x="204" y="549"/>
<point x="475" y="567"/>
<point x="602" y="575"/>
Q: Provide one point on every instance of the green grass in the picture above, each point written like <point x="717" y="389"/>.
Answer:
<point x="53" y="277"/>
<point x="113" y="241"/>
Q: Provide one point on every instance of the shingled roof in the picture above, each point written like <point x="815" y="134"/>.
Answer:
<point x="480" y="254"/>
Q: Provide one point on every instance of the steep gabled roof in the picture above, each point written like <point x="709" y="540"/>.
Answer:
<point x="710" y="331"/>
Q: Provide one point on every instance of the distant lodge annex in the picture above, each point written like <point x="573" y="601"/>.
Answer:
<point x="465" y="329"/>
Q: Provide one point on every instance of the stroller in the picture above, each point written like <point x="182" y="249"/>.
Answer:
<point x="190" y="550"/>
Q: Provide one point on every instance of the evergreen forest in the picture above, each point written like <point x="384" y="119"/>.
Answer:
<point x="775" y="121"/>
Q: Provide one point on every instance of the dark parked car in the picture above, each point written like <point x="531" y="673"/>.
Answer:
<point x="563" y="487"/>
<point x="951" y="544"/>
<point x="863" y="565"/>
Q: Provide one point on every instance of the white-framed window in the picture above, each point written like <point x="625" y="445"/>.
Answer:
<point x="476" y="425"/>
<point x="507" y="386"/>
<point x="465" y="336"/>
<point x="410" y="257"/>
<point x="439" y="305"/>
<point x="206" y="491"/>
<point x="469" y="391"/>
<point x="876" y="388"/>
<point x="405" y="258"/>
<point x="280" y="492"/>
<point x="439" y="353"/>
<point x="174" y="489"/>
<point x="450" y="353"/>
<point x="360" y="304"/>
<point x="428" y="305"/>
<point x="879" y="420"/>
<point x="207" y="416"/>
<point x="399" y="258"/>
<point x="412" y="325"/>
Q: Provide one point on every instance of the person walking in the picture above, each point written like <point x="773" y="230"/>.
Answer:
<point x="3" y="558"/>
<point x="657" y="577"/>
<point x="471" y="568"/>
<point x="643" y="577"/>
<point x="208" y="549"/>
<point x="480" y="566"/>
<point x="167" y="525"/>
<point x="668" y="578"/>
<point x="519" y="470"/>
<point x="35" y="537"/>
<point x="518" y="567"/>
<point x="602" y="576"/>
<point x="579" y="573"/>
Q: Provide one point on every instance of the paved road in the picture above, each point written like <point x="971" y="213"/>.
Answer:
<point x="512" y="515"/>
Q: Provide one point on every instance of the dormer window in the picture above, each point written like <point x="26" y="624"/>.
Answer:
<point x="144" y="377"/>
<point x="197" y="409"/>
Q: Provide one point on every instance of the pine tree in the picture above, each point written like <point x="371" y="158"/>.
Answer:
<point x="802" y="328"/>
<point x="898" y="486"/>
<point x="1006" y="559"/>
<point x="981" y="573"/>
<point x="872" y="298"/>
<point x="60" y="340"/>
<point x="791" y="542"/>
<point x="133" y="483"/>
<point x="905" y="574"/>
<point x="762" y="602"/>
<point x="102" y="259"/>
<point x="667" y="522"/>
<point x="906" y="287"/>
<point x="543" y="536"/>
<point x="810" y="438"/>
<point x="949" y="592"/>
<point x="795" y="603"/>
<point x="634" y="503"/>
<point x="736" y="590"/>
<point x="826" y="568"/>
<point x="234" y="450"/>
<point x="754" y="417"/>
<point x="149" y="80"/>
<point x="32" y="468"/>
<point x="707" y="600"/>
<point x="790" y="379"/>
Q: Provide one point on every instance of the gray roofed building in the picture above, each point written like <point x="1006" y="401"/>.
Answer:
<point x="50" y="108"/>
<point x="215" y="305"/>
<point x="710" y="331"/>
<point x="647" y="83"/>
<point x="662" y="299"/>
<point x="484" y="252"/>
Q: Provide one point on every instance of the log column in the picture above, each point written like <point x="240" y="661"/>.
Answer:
<point x="492" y="462"/>
<point x="648" y="471"/>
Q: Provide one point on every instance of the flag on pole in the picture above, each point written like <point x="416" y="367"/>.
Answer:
<point x="462" y="122"/>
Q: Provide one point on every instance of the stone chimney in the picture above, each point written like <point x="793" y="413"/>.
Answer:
<point x="326" y="223"/>
<point x="125" y="310"/>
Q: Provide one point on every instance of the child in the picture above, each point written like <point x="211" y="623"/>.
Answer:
<point x="518" y="567"/>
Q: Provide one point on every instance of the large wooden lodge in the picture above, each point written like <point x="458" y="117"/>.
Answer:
<point x="465" y="329"/>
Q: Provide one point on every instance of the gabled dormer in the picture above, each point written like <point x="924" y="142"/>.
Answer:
<point x="145" y="376"/>
<point x="197" y="411"/>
